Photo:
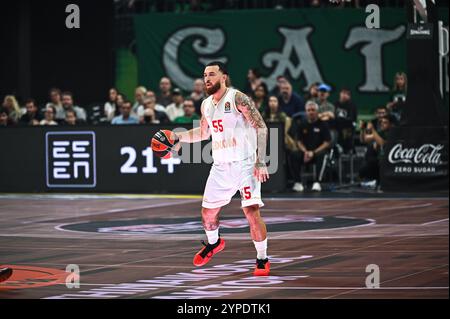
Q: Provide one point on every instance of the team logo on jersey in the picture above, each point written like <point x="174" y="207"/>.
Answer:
<point x="227" y="107"/>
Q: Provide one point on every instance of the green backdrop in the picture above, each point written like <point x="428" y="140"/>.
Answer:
<point x="306" y="45"/>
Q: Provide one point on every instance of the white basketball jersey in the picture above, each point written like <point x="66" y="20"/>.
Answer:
<point x="233" y="138"/>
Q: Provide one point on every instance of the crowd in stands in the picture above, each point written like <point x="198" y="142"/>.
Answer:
<point x="313" y="124"/>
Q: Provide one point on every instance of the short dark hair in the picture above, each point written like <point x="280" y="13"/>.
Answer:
<point x="346" y="89"/>
<point x="256" y="72"/>
<point x="71" y="111"/>
<point x="56" y="90"/>
<point x="381" y="107"/>
<point x="67" y="93"/>
<point x="391" y="118"/>
<point x="189" y="100"/>
<point x="30" y="101"/>
<point x="222" y="66"/>
<point x="126" y="102"/>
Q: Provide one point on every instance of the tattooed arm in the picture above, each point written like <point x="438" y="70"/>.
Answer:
<point x="246" y="106"/>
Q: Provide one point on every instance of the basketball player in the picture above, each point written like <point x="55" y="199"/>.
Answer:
<point x="5" y="273"/>
<point x="239" y="137"/>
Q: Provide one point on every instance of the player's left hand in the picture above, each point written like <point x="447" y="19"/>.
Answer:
<point x="260" y="172"/>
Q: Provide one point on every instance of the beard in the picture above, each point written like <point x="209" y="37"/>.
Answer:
<point x="213" y="89"/>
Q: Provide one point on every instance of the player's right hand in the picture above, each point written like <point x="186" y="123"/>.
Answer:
<point x="164" y="142"/>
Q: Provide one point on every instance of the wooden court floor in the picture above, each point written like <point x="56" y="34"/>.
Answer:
<point x="142" y="247"/>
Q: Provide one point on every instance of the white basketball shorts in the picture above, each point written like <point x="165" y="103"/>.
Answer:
<point x="225" y="179"/>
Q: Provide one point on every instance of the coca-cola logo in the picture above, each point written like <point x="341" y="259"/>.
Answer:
<point x="425" y="154"/>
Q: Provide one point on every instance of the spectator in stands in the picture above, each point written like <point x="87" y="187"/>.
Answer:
<point x="273" y="114"/>
<point x="14" y="112"/>
<point x="198" y="95"/>
<point x="380" y="113"/>
<point x="49" y="116"/>
<point x="4" y="118"/>
<point x="290" y="102"/>
<point x="313" y="92"/>
<point x="281" y="79"/>
<point x="189" y="113"/>
<point x="175" y="109"/>
<point x="68" y="104"/>
<point x="375" y="141"/>
<point x="164" y="97"/>
<point x="253" y="81"/>
<point x="71" y="118"/>
<point x="139" y="94"/>
<point x="32" y="116"/>
<point x="326" y="109"/>
<point x="56" y="102"/>
<point x="158" y="107"/>
<point x="111" y="105"/>
<point x="125" y="116"/>
<point x="150" y="115"/>
<point x="313" y="140"/>
<point x="398" y="95"/>
<point x="346" y="114"/>
<point x="260" y="97"/>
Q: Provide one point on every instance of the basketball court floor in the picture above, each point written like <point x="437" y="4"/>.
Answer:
<point x="141" y="246"/>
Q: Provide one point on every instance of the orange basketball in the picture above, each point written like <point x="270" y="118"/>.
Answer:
<point x="162" y="142"/>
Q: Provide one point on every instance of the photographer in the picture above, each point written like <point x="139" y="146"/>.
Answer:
<point x="375" y="140"/>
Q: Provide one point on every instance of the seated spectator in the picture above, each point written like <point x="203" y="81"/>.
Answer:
<point x="71" y="118"/>
<point x="273" y="114"/>
<point x="4" y="117"/>
<point x="150" y="115"/>
<point x="49" y="116"/>
<point x="32" y="116"/>
<point x="67" y="102"/>
<point x="280" y="80"/>
<point x="260" y="97"/>
<point x="164" y="97"/>
<point x="189" y="113"/>
<point x="110" y="106"/>
<point x="56" y="102"/>
<point x="175" y="109"/>
<point x="346" y="114"/>
<point x="158" y="107"/>
<point x="125" y="117"/>
<point x="198" y="95"/>
<point x="313" y="140"/>
<point x="290" y="102"/>
<point x="253" y="81"/>
<point x="139" y="95"/>
<point x="398" y="96"/>
<point x="313" y="92"/>
<point x="375" y="141"/>
<point x="14" y="112"/>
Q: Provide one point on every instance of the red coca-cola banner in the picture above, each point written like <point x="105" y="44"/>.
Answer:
<point x="415" y="159"/>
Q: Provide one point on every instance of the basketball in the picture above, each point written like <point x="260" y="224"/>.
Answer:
<point x="162" y="142"/>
